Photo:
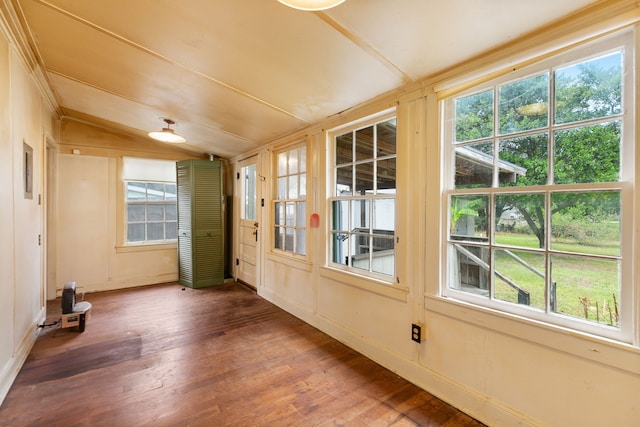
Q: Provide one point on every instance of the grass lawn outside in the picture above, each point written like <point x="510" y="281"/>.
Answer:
<point x="586" y="288"/>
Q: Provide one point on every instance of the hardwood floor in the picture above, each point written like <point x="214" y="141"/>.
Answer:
<point x="220" y="356"/>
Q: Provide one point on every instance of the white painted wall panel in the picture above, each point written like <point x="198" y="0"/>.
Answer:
<point x="83" y="220"/>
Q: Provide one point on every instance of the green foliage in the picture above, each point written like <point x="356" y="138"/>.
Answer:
<point x="582" y="153"/>
<point x="576" y="122"/>
<point x="589" y="90"/>
<point x="474" y="116"/>
<point x="587" y="154"/>
<point x="530" y="152"/>
<point x="524" y="104"/>
<point x="466" y="206"/>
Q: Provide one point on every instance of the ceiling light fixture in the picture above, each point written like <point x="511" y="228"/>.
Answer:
<point x="167" y="134"/>
<point x="311" y="4"/>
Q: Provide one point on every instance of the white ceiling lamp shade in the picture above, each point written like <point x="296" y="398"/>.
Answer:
<point x="167" y="134"/>
<point x="311" y="4"/>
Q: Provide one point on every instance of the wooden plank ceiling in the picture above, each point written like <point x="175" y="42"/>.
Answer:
<point x="238" y="74"/>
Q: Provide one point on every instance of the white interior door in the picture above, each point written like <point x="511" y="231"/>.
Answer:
<point x="248" y="244"/>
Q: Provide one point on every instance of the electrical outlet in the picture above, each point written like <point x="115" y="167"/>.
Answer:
<point x="416" y="332"/>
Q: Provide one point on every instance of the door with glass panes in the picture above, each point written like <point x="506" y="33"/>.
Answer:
<point x="248" y="237"/>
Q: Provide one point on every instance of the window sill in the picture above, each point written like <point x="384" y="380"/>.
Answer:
<point x="608" y="352"/>
<point x="299" y="262"/>
<point x="146" y="248"/>
<point x="369" y="284"/>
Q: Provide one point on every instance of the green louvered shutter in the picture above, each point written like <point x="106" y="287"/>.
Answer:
<point x="200" y="223"/>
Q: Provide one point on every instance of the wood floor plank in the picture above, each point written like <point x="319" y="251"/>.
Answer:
<point x="222" y="356"/>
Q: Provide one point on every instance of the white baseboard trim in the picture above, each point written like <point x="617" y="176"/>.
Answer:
<point x="11" y="369"/>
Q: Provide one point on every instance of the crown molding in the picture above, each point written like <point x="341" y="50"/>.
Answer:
<point x="14" y="28"/>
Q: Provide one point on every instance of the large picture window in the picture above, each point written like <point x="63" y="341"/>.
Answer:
<point x="363" y="199"/>
<point x="290" y="205"/>
<point x="540" y="197"/>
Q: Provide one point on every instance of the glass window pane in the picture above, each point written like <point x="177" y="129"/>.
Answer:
<point x="155" y="191"/>
<point x="520" y="220"/>
<point x="386" y="138"/>
<point x="340" y="248"/>
<point x="279" y="238"/>
<point x="155" y="231"/>
<point x="360" y="249"/>
<point x="383" y="257"/>
<point x="523" y="160"/>
<point x="282" y="164"/>
<point x="340" y="213"/>
<point x="386" y="176"/>
<point x="589" y="90"/>
<point x="301" y="214"/>
<point x="586" y="288"/>
<point x="249" y="192"/>
<point x="587" y="154"/>
<point x="474" y="116"/>
<point x="382" y="241"/>
<point x="519" y="277"/>
<point x="171" y="228"/>
<point x="136" y="191"/>
<point x="154" y="217"/>
<point x="135" y="213"/>
<point x="279" y="213"/>
<point x="303" y="186"/>
<point x="384" y="211"/>
<point x="469" y="218"/>
<point x="474" y="165"/>
<point x="364" y="178"/>
<point x="344" y="181"/>
<point x="288" y="239"/>
<point x="303" y="159"/>
<point x="524" y="104"/>
<point x="170" y="191"/>
<point x="289" y="213"/>
<point x="300" y="241"/>
<point x="282" y="188"/>
<point x="171" y="212"/>
<point x="293" y="162"/>
<point x="155" y="212"/>
<point x="364" y="143"/>
<point x="344" y="149"/>
<point x="135" y="232"/>
<point x="293" y="187"/>
<point x="469" y="271"/>
<point x="360" y="214"/>
<point x="587" y="223"/>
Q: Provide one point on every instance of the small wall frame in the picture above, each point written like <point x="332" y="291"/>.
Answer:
<point x="27" y="159"/>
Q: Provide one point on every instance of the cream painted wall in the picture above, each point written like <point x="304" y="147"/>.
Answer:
<point x="28" y="220"/>
<point x="503" y="370"/>
<point x="90" y="219"/>
<point x="84" y="221"/>
<point x="24" y="117"/>
<point x="6" y="228"/>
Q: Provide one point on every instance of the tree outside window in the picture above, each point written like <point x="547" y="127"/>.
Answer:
<point x="536" y="197"/>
